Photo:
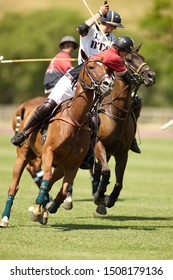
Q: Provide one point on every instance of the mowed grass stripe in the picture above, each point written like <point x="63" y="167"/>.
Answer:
<point x="139" y="226"/>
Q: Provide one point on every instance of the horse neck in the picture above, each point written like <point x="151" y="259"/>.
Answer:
<point x="81" y="104"/>
<point x="119" y="100"/>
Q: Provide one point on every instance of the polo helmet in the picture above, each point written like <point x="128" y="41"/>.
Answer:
<point x="68" y="39"/>
<point x="124" y="43"/>
<point x="112" y="18"/>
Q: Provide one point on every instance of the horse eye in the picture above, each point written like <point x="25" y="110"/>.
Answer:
<point x="128" y="60"/>
<point x="91" y="67"/>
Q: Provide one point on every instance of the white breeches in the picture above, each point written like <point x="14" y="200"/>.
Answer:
<point x="62" y="90"/>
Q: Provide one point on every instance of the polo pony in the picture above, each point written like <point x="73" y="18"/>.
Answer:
<point x="67" y="140"/>
<point x="117" y="127"/>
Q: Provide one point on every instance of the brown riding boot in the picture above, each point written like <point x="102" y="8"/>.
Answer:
<point x="41" y="113"/>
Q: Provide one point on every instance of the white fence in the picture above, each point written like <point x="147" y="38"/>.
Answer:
<point x="148" y="115"/>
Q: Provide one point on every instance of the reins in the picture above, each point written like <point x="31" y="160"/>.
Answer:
<point x="133" y="90"/>
<point x="94" y="86"/>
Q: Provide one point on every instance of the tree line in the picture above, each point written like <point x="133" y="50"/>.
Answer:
<point x="36" y="35"/>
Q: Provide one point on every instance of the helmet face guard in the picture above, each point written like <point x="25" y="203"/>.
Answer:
<point x="112" y="18"/>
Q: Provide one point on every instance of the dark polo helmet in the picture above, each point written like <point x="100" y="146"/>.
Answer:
<point x="112" y="18"/>
<point x="68" y="39"/>
<point x="124" y="43"/>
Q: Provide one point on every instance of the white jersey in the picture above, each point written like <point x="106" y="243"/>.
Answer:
<point x="94" y="42"/>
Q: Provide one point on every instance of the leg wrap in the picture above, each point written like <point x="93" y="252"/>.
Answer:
<point x="54" y="206"/>
<point x="46" y="199"/>
<point x="95" y="180"/>
<point x="43" y="191"/>
<point x="8" y="206"/>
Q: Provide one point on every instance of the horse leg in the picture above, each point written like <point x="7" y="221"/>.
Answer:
<point x="69" y="175"/>
<point x="95" y="177"/>
<point x="38" y="215"/>
<point x="18" y="168"/>
<point x="47" y="159"/>
<point x="68" y="201"/>
<point x="121" y="161"/>
<point x="99" y="195"/>
<point x="34" y="169"/>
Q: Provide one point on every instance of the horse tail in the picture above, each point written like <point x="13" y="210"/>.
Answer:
<point x="18" y="118"/>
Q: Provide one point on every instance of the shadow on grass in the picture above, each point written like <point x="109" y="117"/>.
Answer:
<point x="91" y="199"/>
<point x="135" y="218"/>
<point x="69" y="227"/>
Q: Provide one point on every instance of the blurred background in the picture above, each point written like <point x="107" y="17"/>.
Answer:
<point x="32" y="29"/>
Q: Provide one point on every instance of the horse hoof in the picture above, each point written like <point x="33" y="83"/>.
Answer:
<point x="43" y="217"/>
<point x="34" y="215"/>
<point x="68" y="203"/>
<point x="98" y="200"/>
<point x="108" y="202"/>
<point x="4" y="222"/>
<point x="101" y="209"/>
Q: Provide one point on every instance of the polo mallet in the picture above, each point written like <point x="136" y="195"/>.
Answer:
<point x="96" y="20"/>
<point x="33" y="59"/>
<point x="166" y="125"/>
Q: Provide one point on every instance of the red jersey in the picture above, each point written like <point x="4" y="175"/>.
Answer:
<point x="56" y="69"/>
<point x="112" y="60"/>
<point x="60" y="65"/>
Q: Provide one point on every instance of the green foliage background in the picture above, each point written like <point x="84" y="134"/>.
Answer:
<point x="35" y="35"/>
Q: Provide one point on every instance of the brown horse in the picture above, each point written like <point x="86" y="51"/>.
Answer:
<point x="67" y="141"/>
<point x="116" y="130"/>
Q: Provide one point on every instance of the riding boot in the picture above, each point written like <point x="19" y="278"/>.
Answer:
<point x="41" y="113"/>
<point x="137" y="105"/>
<point x="134" y="147"/>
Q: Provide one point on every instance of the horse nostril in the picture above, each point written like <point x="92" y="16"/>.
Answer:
<point x="151" y="75"/>
<point x="106" y="83"/>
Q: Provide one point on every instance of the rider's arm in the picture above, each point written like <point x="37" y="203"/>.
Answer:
<point x="84" y="28"/>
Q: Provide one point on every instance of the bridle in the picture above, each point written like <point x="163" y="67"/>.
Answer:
<point x="94" y="84"/>
<point x="143" y="67"/>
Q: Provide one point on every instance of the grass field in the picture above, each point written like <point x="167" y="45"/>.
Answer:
<point x="139" y="226"/>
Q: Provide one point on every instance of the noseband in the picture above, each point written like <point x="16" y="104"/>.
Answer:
<point x="140" y="70"/>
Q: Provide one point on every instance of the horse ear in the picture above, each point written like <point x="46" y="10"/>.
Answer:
<point x="84" y="56"/>
<point x="138" y="47"/>
<point x="101" y="58"/>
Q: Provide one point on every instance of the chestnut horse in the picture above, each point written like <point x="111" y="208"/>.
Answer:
<point x="67" y="140"/>
<point x="116" y="131"/>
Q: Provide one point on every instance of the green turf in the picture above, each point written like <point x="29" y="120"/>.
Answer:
<point x="139" y="226"/>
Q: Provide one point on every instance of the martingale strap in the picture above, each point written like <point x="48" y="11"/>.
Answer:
<point x="71" y="122"/>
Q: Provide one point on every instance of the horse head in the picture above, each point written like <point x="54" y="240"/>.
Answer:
<point x="94" y="77"/>
<point x="136" y="64"/>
